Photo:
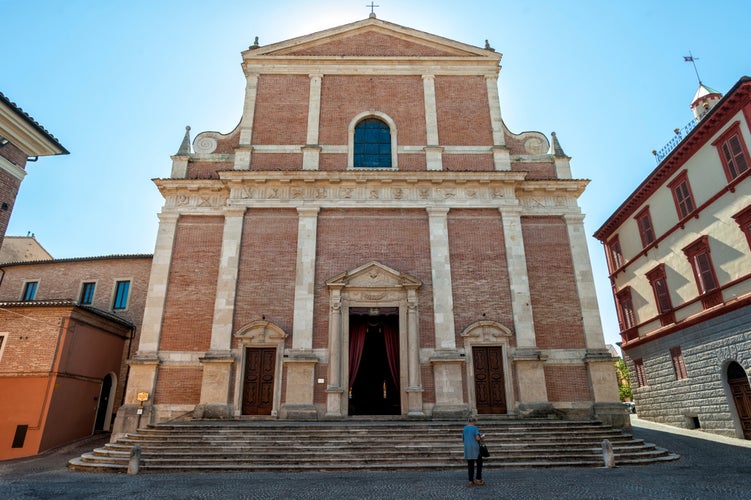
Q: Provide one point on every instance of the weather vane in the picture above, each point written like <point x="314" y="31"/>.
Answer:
<point x="690" y="58"/>
<point x="372" y="8"/>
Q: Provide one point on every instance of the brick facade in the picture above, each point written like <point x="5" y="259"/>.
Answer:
<point x="274" y="237"/>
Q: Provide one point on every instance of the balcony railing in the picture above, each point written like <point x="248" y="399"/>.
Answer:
<point x="680" y="133"/>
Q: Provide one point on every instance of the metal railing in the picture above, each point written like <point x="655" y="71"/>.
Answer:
<point x="680" y="133"/>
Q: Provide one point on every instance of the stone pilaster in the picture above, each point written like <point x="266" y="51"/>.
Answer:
<point x="443" y="301"/>
<point x="226" y="287"/>
<point x="157" y="293"/>
<point x="521" y="300"/>
<point x="414" y="390"/>
<point x="217" y="364"/>
<point x="302" y="329"/>
<point x="298" y="403"/>
<point x="585" y="284"/>
<point x="141" y="379"/>
<point x="311" y="150"/>
<point x="501" y="157"/>
<point x="244" y="150"/>
<point x="433" y="153"/>
<point x="334" y="390"/>
<point x="446" y="361"/>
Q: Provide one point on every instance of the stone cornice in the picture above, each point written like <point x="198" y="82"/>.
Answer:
<point x="12" y="168"/>
<point x="348" y="189"/>
<point x="421" y="66"/>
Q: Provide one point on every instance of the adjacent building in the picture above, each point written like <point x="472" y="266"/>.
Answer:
<point x="22" y="140"/>
<point x="67" y="327"/>
<point x="679" y="253"/>
<point x="370" y="240"/>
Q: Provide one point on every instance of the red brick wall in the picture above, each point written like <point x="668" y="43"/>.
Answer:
<point x="567" y="383"/>
<point x="205" y="169"/>
<point x="31" y="340"/>
<point x="63" y="279"/>
<point x="9" y="186"/>
<point x="348" y="238"/>
<point x="344" y="97"/>
<point x="479" y="273"/>
<point x="468" y="163"/>
<point x="555" y="302"/>
<point x="413" y="162"/>
<point x="191" y="290"/>
<point x="332" y="162"/>
<point x="370" y="44"/>
<point x="536" y="170"/>
<point x="266" y="278"/>
<point x="178" y="385"/>
<point x="14" y="155"/>
<point x="276" y="161"/>
<point x="281" y="114"/>
<point x="463" y="111"/>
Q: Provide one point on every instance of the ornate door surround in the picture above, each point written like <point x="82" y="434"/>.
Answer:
<point x="373" y="286"/>
<point x="259" y="334"/>
<point x="488" y="333"/>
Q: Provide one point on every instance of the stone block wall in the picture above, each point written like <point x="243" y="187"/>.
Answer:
<point x="707" y="349"/>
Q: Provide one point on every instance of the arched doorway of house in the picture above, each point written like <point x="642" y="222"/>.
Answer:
<point x="741" y="393"/>
<point x="374" y="362"/>
<point x="104" y="404"/>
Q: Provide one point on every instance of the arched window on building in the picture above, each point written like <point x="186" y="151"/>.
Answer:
<point x="372" y="144"/>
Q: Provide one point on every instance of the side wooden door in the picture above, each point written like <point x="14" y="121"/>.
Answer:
<point x="741" y="392"/>
<point x="258" y="382"/>
<point x="490" y="384"/>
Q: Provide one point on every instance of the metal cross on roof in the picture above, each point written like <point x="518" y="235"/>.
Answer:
<point x="372" y="8"/>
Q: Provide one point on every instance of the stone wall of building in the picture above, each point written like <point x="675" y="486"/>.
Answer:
<point x="707" y="349"/>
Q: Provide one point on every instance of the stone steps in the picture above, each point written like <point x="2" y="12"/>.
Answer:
<point x="345" y="446"/>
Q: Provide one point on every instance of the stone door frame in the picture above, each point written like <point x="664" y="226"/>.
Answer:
<point x="259" y="334"/>
<point x="488" y="333"/>
<point x="373" y="286"/>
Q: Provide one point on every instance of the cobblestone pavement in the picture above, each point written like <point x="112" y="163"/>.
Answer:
<point x="709" y="467"/>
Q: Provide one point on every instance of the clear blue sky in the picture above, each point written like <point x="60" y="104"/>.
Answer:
<point x="117" y="82"/>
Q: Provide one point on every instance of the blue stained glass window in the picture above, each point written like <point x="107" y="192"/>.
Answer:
<point x="372" y="148"/>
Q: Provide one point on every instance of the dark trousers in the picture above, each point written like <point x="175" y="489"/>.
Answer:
<point x="471" y="469"/>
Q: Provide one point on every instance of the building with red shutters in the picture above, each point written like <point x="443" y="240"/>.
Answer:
<point x="679" y="253"/>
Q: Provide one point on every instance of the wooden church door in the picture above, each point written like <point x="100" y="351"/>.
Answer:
<point x="490" y="386"/>
<point x="258" y="382"/>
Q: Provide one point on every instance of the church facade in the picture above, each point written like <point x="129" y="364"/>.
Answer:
<point x="370" y="240"/>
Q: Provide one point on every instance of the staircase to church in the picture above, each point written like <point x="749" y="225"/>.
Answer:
<point x="373" y="445"/>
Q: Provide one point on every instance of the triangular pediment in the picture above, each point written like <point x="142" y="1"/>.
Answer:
<point x="373" y="275"/>
<point x="371" y="38"/>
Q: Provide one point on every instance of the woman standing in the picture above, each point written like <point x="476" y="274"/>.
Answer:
<point x="471" y="436"/>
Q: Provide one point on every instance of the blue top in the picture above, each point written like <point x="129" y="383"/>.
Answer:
<point x="471" y="446"/>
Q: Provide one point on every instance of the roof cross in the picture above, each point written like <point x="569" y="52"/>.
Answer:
<point x="372" y="8"/>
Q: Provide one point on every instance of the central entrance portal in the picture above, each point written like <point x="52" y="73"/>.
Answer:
<point x="374" y="362"/>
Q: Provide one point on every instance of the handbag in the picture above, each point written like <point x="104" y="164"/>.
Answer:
<point x="484" y="453"/>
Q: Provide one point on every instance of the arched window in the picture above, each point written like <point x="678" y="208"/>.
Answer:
<point x="372" y="144"/>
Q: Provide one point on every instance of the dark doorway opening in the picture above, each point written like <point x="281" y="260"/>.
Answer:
<point x="104" y="401"/>
<point x="374" y="362"/>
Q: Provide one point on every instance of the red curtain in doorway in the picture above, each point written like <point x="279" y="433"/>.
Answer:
<point x="391" y="336"/>
<point x="356" y="345"/>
